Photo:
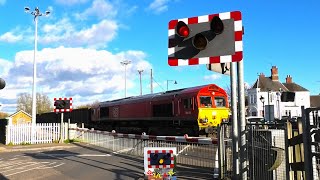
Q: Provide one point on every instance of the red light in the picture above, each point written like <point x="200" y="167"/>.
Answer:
<point x="184" y="31"/>
<point x="217" y="25"/>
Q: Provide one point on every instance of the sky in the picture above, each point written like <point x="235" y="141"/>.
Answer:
<point x="82" y="42"/>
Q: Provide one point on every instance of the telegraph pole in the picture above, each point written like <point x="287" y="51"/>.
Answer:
<point x="140" y="72"/>
<point x="125" y="63"/>
<point x="151" y="83"/>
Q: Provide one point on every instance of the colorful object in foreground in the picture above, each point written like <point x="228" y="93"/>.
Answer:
<point x="214" y="38"/>
<point x="159" y="162"/>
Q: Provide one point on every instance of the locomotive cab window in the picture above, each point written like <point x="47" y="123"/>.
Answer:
<point x="187" y="103"/>
<point x="219" y="101"/>
<point x="205" y="101"/>
<point x="104" y="112"/>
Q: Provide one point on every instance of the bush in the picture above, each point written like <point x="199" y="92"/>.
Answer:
<point x="24" y="143"/>
<point x="70" y="141"/>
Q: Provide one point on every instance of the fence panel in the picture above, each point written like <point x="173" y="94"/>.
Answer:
<point x="266" y="152"/>
<point x="200" y="152"/>
<point x="26" y="134"/>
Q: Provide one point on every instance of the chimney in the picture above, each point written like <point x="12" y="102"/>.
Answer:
<point x="288" y="79"/>
<point x="274" y="73"/>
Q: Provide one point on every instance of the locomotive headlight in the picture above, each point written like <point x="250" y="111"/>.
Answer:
<point x="214" y="113"/>
<point x="204" y="120"/>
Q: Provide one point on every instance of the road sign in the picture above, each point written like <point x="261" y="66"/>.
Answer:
<point x="62" y="104"/>
<point x="214" y="38"/>
<point x="159" y="162"/>
<point x="223" y="68"/>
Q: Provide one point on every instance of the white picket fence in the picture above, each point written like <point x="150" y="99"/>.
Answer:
<point x="24" y="134"/>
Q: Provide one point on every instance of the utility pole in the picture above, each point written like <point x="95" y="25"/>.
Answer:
<point x="36" y="13"/>
<point x="140" y="72"/>
<point x="125" y="63"/>
<point x="151" y="83"/>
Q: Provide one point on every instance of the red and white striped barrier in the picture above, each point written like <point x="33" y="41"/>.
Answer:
<point x="185" y="138"/>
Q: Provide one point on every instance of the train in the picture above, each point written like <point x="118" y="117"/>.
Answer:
<point x="194" y="111"/>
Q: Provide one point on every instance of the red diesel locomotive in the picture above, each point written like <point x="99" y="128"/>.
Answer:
<point x="193" y="111"/>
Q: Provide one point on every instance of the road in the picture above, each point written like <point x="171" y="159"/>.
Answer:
<point x="81" y="162"/>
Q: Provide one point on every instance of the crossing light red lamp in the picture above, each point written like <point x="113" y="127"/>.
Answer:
<point x="216" y="25"/>
<point x="207" y="39"/>
<point x="183" y="29"/>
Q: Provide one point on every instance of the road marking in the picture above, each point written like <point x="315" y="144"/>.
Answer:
<point x="94" y="155"/>
<point x="25" y="170"/>
<point x="13" y="159"/>
<point x="22" y="167"/>
<point x="9" y="164"/>
<point x="78" y="155"/>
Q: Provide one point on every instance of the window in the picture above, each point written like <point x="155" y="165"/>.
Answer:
<point x="187" y="103"/>
<point x="219" y="101"/>
<point x="104" y="112"/>
<point x="205" y="101"/>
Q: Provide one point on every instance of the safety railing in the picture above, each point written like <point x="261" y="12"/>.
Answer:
<point x="191" y="151"/>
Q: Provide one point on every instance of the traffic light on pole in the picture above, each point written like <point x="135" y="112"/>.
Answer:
<point x="63" y="105"/>
<point x="215" y="38"/>
<point x="160" y="159"/>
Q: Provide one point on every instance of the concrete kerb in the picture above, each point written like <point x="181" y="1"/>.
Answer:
<point x="35" y="148"/>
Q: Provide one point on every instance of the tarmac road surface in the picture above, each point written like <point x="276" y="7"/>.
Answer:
<point x="81" y="162"/>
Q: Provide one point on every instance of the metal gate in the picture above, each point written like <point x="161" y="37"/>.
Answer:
<point x="3" y="124"/>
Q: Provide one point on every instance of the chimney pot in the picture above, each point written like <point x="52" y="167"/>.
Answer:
<point x="274" y="73"/>
<point x="288" y="79"/>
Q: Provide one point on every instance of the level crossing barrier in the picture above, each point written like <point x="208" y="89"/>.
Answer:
<point x="191" y="151"/>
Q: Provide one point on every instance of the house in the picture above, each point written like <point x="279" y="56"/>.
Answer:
<point x="264" y="97"/>
<point x="315" y="101"/>
<point x="20" y="117"/>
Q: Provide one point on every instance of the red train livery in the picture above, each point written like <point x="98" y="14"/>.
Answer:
<point x="192" y="111"/>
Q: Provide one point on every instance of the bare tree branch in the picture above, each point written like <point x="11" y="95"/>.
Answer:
<point x="24" y="103"/>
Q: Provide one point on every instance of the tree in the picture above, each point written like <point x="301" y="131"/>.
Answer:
<point x="88" y="105"/>
<point x="24" y="103"/>
<point x="3" y="115"/>
<point x="228" y="90"/>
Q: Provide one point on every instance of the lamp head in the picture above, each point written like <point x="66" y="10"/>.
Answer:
<point x="47" y="13"/>
<point x="26" y="9"/>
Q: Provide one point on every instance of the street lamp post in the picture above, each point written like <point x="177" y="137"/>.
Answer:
<point x="269" y="113"/>
<point x="278" y="99"/>
<point x="262" y="100"/>
<point x="125" y="63"/>
<point x="36" y="13"/>
<point x="175" y="82"/>
<point x="140" y="71"/>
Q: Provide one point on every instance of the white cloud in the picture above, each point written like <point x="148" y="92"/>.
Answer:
<point x="159" y="6"/>
<point x="99" y="8"/>
<point x="2" y="2"/>
<point x="71" y="2"/>
<point x="71" y="72"/>
<point x="10" y="37"/>
<point x="64" y="32"/>
<point x="213" y="77"/>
